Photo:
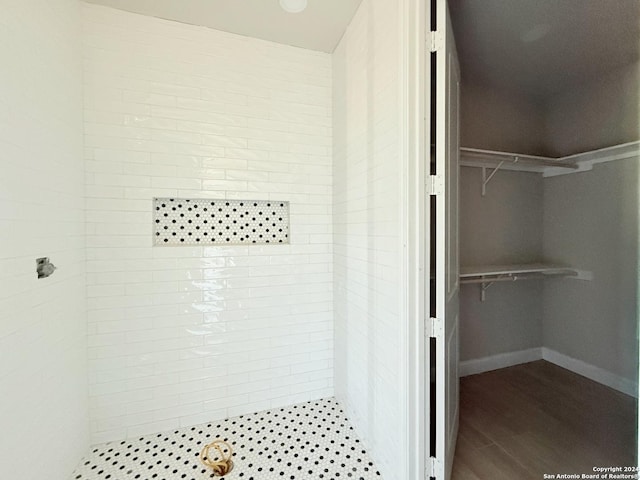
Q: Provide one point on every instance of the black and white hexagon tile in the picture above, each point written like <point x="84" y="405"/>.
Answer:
<point x="197" y="221"/>
<point x="308" y="441"/>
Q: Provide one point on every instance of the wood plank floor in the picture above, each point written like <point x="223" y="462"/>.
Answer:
<point x="523" y="421"/>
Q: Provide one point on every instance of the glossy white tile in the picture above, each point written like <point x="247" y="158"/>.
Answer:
<point x="367" y="188"/>
<point x="167" y="116"/>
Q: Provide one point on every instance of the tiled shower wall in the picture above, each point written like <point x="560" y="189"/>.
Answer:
<point x="367" y="182"/>
<point x="182" y="335"/>
<point x="43" y="364"/>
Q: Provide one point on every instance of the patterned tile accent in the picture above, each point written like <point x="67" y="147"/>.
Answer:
<point x="308" y="441"/>
<point x="189" y="221"/>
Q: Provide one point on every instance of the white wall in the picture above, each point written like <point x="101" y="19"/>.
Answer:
<point x="367" y="180"/>
<point x="43" y="377"/>
<point x="183" y="335"/>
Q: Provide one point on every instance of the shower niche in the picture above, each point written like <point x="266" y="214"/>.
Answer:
<point x="189" y="221"/>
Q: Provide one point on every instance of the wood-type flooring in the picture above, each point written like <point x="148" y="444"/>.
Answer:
<point x="522" y="422"/>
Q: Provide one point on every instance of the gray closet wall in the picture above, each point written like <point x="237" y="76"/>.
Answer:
<point x="499" y="120"/>
<point x="503" y="227"/>
<point x="594" y="114"/>
<point x="588" y="220"/>
<point x="591" y="222"/>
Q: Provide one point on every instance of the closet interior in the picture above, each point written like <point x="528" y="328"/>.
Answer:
<point x="548" y="236"/>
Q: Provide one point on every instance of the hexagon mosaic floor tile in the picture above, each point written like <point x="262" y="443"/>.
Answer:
<point x="308" y="441"/>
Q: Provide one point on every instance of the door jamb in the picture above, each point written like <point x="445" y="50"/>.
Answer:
<point x="414" y="129"/>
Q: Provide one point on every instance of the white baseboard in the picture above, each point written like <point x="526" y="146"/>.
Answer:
<point x="592" y="372"/>
<point x="502" y="360"/>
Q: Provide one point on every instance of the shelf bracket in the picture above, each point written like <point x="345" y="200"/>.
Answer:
<point x="483" y="288"/>
<point x="486" y="179"/>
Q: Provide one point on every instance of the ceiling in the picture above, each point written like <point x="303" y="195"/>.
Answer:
<point x="531" y="47"/>
<point x="540" y="47"/>
<point x="319" y="27"/>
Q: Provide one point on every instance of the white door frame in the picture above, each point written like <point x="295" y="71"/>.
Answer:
<point x="415" y="95"/>
<point x="414" y="128"/>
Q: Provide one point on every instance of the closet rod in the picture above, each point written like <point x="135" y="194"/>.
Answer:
<point x="516" y="277"/>
<point x="495" y="156"/>
<point x="486" y="282"/>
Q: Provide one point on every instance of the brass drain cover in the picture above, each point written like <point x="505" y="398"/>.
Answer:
<point x="217" y="456"/>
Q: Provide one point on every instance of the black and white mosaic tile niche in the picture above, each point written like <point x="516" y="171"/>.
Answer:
<point x="197" y="221"/>
<point x="309" y="441"/>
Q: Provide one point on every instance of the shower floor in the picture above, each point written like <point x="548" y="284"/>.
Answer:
<point x="309" y="441"/>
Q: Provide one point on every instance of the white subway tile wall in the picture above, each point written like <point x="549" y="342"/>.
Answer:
<point x="367" y="249"/>
<point x="184" y="335"/>
<point x="43" y="358"/>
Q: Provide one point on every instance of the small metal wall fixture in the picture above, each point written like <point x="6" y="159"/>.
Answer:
<point x="217" y="456"/>
<point x="44" y="267"/>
